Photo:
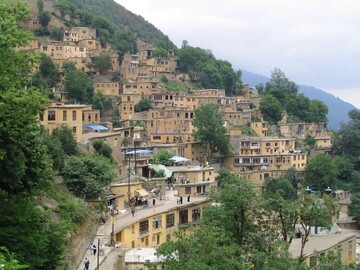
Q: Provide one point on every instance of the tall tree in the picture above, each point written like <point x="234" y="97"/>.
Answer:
<point x="77" y="83"/>
<point x="65" y="136"/>
<point x="103" y="63"/>
<point x="210" y="130"/>
<point x="320" y="173"/>
<point x="87" y="175"/>
<point x="271" y="109"/>
<point x="47" y="74"/>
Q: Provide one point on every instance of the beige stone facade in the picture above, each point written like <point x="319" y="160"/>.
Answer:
<point x="72" y="115"/>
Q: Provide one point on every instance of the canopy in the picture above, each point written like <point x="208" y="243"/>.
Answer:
<point x="141" y="192"/>
<point x="179" y="159"/>
<point x="160" y="167"/>
<point x="139" y="152"/>
<point x="96" y="127"/>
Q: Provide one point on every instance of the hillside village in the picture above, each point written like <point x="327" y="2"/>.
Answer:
<point x="178" y="192"/>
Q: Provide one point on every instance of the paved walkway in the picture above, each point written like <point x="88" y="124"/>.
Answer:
<point x="125" y="219"/>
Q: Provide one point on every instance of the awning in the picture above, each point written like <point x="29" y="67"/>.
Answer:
<point x="160" y="167"/>
<point x="141" y="192"/>
<point x="146" y="151"/>
<point x="177" y="159"/>
<point x="96" y="127"/>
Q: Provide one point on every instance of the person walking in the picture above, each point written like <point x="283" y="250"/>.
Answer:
<point x="94" y="249"/>
<point x="154" y="202"/>
<point x="133" y="211"/>
<point x="180" y="200"/>
<point x="86" y="264"/>
<point x="188" y="199"/>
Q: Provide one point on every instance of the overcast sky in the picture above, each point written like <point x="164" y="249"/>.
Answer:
<point x="315" y="42"/>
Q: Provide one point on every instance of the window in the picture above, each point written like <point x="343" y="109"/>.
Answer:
<point x="156" y="137"/>
<point x="198" y="189"/>
<point x="144" y="227"/>
<point x="170" y="220"/>
<point x="187" y="190"/>
<point x="74" y="115"/>
<point x="183" y="216"/>
<point x="64" y="115"/>
<point x="196" y="213"/>
<point x="313" y="261"/>
<point x="157" y="222"/>
<point x="74" y="130"/>
<point x="51" y="115"/>
<point x="278" y="159"/>
<point x="246" y="160"/>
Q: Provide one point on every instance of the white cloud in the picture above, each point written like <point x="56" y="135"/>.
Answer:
<point x="314" y="42"/>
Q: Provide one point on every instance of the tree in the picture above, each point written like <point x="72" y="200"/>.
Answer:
<point x="271" y="109"/>
<point x="44" y="18"/>
<point x="115" y="120"/>
<point x="162" y="157"/>
<point x="320" y="173"/>
<point x="310" y="141"/>
<point x="210" y="130"/>
<point x="103" y="62"/>
<point x="66" y="137"/>
<point x="87" y="175"/>
<point x="65" y="7"/>
<point x="279" y="80"/>
<point x="102" y="148"/>
<point x="282" y="186"/>
<point x="161" y="52"/>
<point x="124" y="42"/>
<point x="55" y="149"/>
<point x="347" y="139"/>
<point x="144" y="104"/>
<point x="40" y="5"/>
<point x="47" y="74"/>
<point x="77" y="83"/>
<point x="102" y="103"/>
<point x="318" y="111"/>
<point x="354" y="208"/>
<point x="38" y="244"/>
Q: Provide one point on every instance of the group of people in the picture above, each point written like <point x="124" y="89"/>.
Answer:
<point x="180" y="199"/>
<point x="93" y="249"/>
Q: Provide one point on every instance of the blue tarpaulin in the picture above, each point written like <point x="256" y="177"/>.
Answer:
<point x="96" y="127"/>
<point x="146" y="151"/>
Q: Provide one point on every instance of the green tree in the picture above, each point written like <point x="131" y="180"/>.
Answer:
<point x="77" y="83"/>
<point x="115" y="120"/>
<point x="320" y="173"/>
<point x="279" y="80"/>
<point x="271" y="109"/>
<point x="87" y="175"/>
<point x="282" y="186"/>
<point x="84" y="16"/>
<point x="310" y="141"/>
<point x="210" y="130"/>
<point x="102" y="103"/>
<point x="297" y="106"/>
<point x="65" y="7"/>
<point x="161" y="52"/>
<point x="354" y="208"/>
<point x="47" y="74"/>
<point x="44" y="18"/>
<point x="40" y="5"/>
<point x="318" y="111"/>
<point x="103" y="62"/>
<point x="55" y="150"/>
<point x="102" y="148"/>
<point x="66" y="137"/>
<point x="124" y="42"/>
<point x="144" y="104"/>
<point x="38" y="245"/>
<point x="162" y="157"/>
<point x="347" y="139"/>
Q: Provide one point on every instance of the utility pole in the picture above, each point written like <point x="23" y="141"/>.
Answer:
<point x="98" y="253"/>
<point x="112" y="224"/>
<point x="129" y="178"/>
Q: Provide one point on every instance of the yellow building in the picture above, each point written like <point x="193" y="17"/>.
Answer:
<point x="322" y="245"/>
<point x="72" y="115"/>
<point x="79" y="33"/>
<point x="107" y="88"/>
<point x="159" y="227"/>
<point x="258" y="158"/>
